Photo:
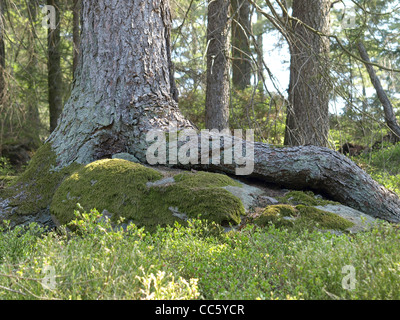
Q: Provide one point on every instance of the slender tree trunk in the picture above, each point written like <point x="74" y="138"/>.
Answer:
<point x="241" y="25"/>
<point x="218" y="66"/>
<point x="390" y="117"/>
<point x="54" y="69"/>
<point x="260" y="56"/>
<point x="2" y="52"/>
<point x="33" y="117"/>
<point x="2" y="76"/>
<point x="309" y="88"/>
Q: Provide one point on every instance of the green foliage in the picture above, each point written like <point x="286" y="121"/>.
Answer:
<point x="383" y="165"/>
<point x="254" y="109"/>
<point x="6" y="167"/>
<point x="250" y="109"/>
<point x="24" y="111"/>
<point x="100" y="261"/>
<point x="17" y="244"/>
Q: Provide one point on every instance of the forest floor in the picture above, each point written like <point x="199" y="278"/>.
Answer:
<point x="201" y="262"/>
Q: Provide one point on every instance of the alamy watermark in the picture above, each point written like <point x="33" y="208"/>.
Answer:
<point x="349" y="18"/>
<point x="187" y="146"/>
<point x="349" y="281"/>
<point x="49" y="280"/>
<point x="49" y="21"/>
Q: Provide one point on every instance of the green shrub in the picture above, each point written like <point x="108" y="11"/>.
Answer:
<point x="6" y="168"/>
<point x="101" y="262"/>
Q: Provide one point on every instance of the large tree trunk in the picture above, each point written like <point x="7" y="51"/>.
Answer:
<point x="218" y="66"/>
<point x="308" y="112"/>
<point x="123" y="85"/>
<point x="123" y="90"/>
<point x="241" y="25"/>
<point x="54" y="69"/>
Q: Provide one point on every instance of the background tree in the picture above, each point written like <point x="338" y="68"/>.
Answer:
<point x="241" y="54"/>
<point x="218" y="65"/>
<point x="32" y="118"/>
<point x="376" y="24"/>
<point x="308" y="111"/>
<point x="2" y="74"/>
<point x="54" y="68"/>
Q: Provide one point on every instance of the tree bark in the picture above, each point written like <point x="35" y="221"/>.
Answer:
<point x="123" y="85"/>
<point x="241" y="24"/>
<point x="308" y="111"/>
<point x="54" y="69"/>
<point x="218" y="66"/>
<point x="390" y="117"/>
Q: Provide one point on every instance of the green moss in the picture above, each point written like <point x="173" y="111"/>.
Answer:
<point x="204" y="179"/>
<point x="33" y="190"/>
<point x="120" y="187"/>
<point x="304" y="217"/>
<point x="275" y="214"/>
<point x="115" y="185"/>
<point x="323" y="219"/>
<point x="304" y="197"/>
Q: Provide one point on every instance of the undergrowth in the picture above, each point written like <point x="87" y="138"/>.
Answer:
<point x="383" y="165"/>
<point x="99" y="261"/>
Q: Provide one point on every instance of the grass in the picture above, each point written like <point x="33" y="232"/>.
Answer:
<point x="199" y="261"/>
<point x="196" y="262"/>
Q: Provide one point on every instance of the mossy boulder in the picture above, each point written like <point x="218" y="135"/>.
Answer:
<point x="300" y="217"/>
<point x="32" y="191"/>
<point x="130" y="190"/>
<point x="280" y="215"/>
<point x="323" y="219"/>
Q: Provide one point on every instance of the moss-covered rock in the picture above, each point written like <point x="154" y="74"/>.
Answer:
<point x="203" y="179"/>
<point x="323" y="219"/>
<point x="33" y="191"/>
<point x="127" y="189"/>
<point x="280" y="215"/>
<point x="300" y="217"/>
<point x="304" y="197"/>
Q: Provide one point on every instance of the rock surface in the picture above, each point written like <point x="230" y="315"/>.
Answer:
<point x="361" y="221"/>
